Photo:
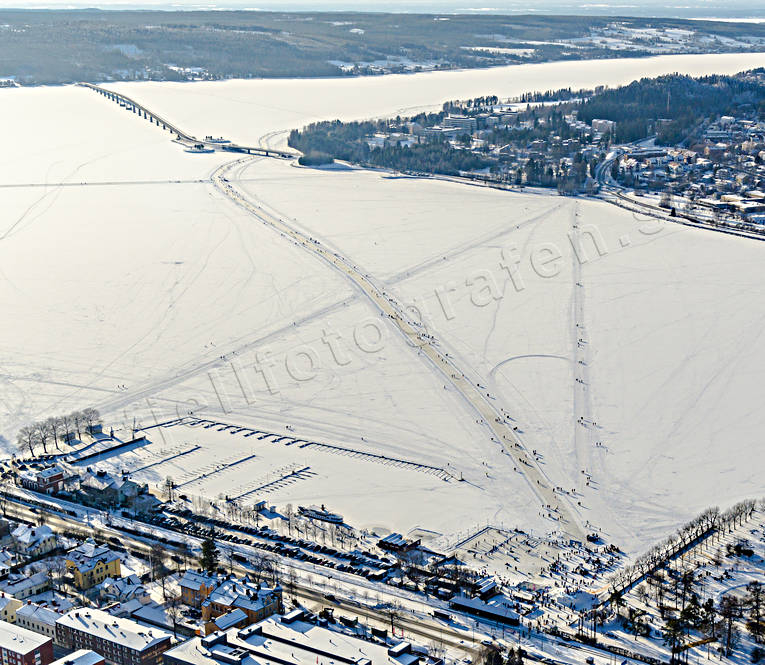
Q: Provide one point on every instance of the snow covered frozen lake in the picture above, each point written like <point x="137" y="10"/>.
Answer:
<point x="129" y="283"/>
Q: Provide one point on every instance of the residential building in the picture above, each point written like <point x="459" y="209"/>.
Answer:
<point x="34" y="541"/>
<point x="464" y="123"/>
<point x="196" y="586"/>
<point x="8" y="607"/>
<point x="286" y="639"/>
<point x="120" y="641"/>
<point x="8" y="559"/>
<point x="19" y="646"/>
<point x="23" y="586"/>
<point x="41" y="620"/>
<point x="104" y="489"/>
<point x="122" y="589"/>
<point x="602" y="126"/>
<point x="255" y="600"/>
<point x="47" y="479"/>
<point x="81" y="657"/>
<point x="90" y="564"/>
<point x="436" y="133"/>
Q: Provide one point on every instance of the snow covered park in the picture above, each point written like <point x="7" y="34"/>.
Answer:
<point x="625" y="353"/>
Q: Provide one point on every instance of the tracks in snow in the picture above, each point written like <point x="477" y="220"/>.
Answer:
<point x="480" y="402"/>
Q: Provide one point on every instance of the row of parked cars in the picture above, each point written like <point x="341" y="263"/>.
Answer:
<point x="367" y="564"/>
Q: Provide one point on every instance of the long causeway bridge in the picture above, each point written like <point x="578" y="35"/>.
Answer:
<point x="142" y="112"/>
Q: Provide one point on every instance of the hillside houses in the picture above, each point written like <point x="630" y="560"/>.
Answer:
<point x="722" y="175"/>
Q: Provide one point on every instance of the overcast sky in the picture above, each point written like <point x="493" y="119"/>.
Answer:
<point x="688" y="8"/>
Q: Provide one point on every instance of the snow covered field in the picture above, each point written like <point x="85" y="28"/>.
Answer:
<point x="131" y="284"/>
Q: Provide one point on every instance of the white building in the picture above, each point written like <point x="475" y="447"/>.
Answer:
<point x="464" y="123"/>
<point x="32" y="541"/>
<point x="602" y="126"/>
<point x="37" y="618"/>
<point x="23" y="586"/>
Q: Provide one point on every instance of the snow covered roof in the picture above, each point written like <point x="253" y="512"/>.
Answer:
<point x="101" y="481"/>
<point x="6" y="600"/>
<point x="104" y="626"/>
<point x="38" y="613"/>
<point x="275" y="641"/>
<point x="20" y="640"/>
<point x="86" y="555"/>
<point x="50" y="471"/>
<point x="123" y="587"/>
<point x="29" y="535"/>
<point x="230" y="619"/>
<point x="500" y="607"/>
<point x="193" y="579"/>
<point x="18" y="584"/>
<point x="394" y="539"/>
<point x="37" y="474"/>
<point x="239" y="593"/>
<point x="80" y="657"/>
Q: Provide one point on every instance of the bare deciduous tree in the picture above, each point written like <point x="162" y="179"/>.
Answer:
<point x="56" y="429"/>
<point x="90" y="417"/>
<point x="174" y="611"/>
<point x="27" y="437"/>
<point x="43" y="431"/>
<point x="78" y="420"/>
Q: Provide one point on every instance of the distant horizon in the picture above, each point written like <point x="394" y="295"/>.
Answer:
<point x="738" y="10"/>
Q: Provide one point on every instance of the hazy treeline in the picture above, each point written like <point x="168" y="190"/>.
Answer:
<point x="46" y="46"/>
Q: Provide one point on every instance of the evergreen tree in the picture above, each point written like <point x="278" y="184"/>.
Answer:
<point x="754" y="602"/>
<point x="209" y="558"/>
<point x="730" y="610"/>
